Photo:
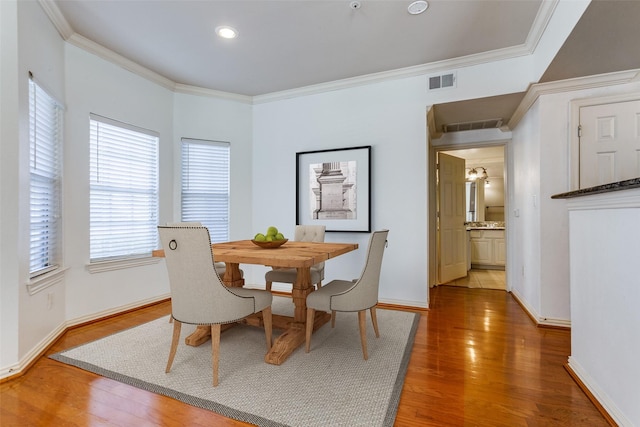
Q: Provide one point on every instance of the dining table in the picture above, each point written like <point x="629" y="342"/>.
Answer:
<point x="292" y="254"/>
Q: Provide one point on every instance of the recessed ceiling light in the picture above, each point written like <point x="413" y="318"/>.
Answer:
<point x="227" y="32"/>
<point x="417" y="7"/>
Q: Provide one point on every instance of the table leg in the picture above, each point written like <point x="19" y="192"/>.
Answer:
<point x="232" y="276"/>
<point x="294" y="336"/>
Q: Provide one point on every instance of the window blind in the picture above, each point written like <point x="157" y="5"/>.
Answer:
<point x="45" y="123"/>
<point x="123" y="190"/>
<point x="205" y="186"/>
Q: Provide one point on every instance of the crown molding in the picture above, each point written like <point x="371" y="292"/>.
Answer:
<point x="540" y="23"/>
<point x="196" y="90"/>
<point x="533" y="38"/>
<point x="417" y="70"/>
<point x="536" y="90"/>
<point x="117" y="59"/>
<point x="57" y="18"/>
<point x="547" y="8"/>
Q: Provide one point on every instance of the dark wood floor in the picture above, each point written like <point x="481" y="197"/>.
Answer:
<point x="478" y="360"/>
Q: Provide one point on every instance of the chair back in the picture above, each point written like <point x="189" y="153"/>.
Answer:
<point x="364" y="293"/>
<point x="197" y="294"/>
<point x="310" y="233"/>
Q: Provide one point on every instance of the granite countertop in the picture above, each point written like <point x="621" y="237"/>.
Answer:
<point x="605" y="188"/>
<point x="485" y="225"/>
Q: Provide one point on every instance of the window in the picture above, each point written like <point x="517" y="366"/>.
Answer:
<point x="205" y="185"/>
<point x="123" y="190"/>
<point x="45" y="152"/>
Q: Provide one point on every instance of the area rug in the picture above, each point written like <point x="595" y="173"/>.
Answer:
<point x="330" y="386"/>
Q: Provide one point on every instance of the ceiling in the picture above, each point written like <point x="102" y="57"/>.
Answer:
<point x="290" y="44"/>
<point x="490" y="158"/>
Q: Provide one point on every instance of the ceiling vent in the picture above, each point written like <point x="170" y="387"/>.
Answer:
<point x="480" y="124"/>
<point x="442" y="82"/>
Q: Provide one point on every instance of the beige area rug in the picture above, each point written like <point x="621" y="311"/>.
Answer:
<point x="330" y="386"/>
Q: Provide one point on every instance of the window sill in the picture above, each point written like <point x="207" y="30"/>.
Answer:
<point x="102" y="266"/>
<point x="41" y="283"/>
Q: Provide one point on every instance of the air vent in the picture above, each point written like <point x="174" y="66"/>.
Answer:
<point x="480" y="124"/>
<point x="443" y="81"/>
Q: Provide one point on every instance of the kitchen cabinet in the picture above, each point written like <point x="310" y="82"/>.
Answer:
<point x="488" y="249"/>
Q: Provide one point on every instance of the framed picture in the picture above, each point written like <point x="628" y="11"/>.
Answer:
<point x="333" y="188"/>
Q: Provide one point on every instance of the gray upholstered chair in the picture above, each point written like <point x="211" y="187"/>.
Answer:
<point x="302" y="233"/>
<point x="220" y="266"/>
<point x="198" y="296"/>
<point x="352" y="295"/>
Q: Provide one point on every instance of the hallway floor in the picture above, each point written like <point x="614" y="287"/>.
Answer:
<point x="485" y="279"/>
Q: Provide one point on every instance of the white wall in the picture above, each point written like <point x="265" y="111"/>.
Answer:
<point x="391" y="117"/>
<point x="541" y="148"/>
<point x="524" y="217"/>
<point x="32" y="45"/>
<point x="96" y="86"/>
<point x="219" y="120"/>
<point x="605" y="291"/>
<point x="9" y="144"/>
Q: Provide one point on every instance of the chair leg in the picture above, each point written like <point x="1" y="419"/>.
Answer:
<point x="268" y="326"/>
<point x="333" y="318"/>
<point x="215" y="351"/>
<point x="268" y="287"/>
<point x="362" y="322"/>
<point x="374" y="320"/>
<point x="311" y="314"/>
<point x="174" y="344"/>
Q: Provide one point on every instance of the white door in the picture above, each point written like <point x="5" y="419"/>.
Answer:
<point x="609" y="143"/>
<point x="452" y="231"/>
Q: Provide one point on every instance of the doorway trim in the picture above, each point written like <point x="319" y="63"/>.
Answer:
<point x="432" y="197"/>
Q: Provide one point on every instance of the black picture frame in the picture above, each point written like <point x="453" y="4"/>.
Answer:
<point x="333" y="188"/>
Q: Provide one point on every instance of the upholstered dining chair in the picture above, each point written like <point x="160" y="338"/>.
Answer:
<point x="220" y="266"/>
<point x="198" y="296"/>
<point x="352" y="295"/>
<point x="302" y="233"/>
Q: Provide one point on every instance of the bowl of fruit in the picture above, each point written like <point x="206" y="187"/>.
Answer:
<point x="273" y="239"/>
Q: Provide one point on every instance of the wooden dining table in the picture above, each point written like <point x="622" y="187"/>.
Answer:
<point x="298" y="255"/>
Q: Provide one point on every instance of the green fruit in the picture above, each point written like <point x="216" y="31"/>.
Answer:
<point x="269" y="238"/>
<point x="260" y="237"/>
<point x="279" y="236"/>
<point x="272" y="231"/>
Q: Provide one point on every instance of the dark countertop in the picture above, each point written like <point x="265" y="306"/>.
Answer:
<point x="484" y="225"/>
<point x="605" y="188"/>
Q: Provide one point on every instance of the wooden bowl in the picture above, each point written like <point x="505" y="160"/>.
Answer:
<point x="270" y="245"/>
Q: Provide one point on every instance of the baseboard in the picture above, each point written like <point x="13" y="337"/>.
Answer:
<point x="18" y="369"/>
<point x="596" y="396"/>
<point x="541" y="322"/>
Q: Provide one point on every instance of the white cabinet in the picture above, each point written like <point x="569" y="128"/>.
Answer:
<point x="488" y="248"/>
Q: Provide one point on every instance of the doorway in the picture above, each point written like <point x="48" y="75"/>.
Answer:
<point x="486" y="200"/>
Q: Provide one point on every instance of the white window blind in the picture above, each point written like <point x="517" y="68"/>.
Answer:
<point x="45" y="132"/>
<point x="205" y="185"/>
<point x="123" y="190"/>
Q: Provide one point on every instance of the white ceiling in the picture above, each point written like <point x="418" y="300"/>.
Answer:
<point x="490" y="158"/>
<point x="288" y="44"/>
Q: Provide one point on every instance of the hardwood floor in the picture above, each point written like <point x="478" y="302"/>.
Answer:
<point x="478" y="360"/>
<point x="486" y="279"/>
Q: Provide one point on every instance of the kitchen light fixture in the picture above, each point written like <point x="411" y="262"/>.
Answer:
<point x="473" y="174"/>
<point x="417" y="7"/>
<point x="226" y="32"/>
<point x="487" y="183"/>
